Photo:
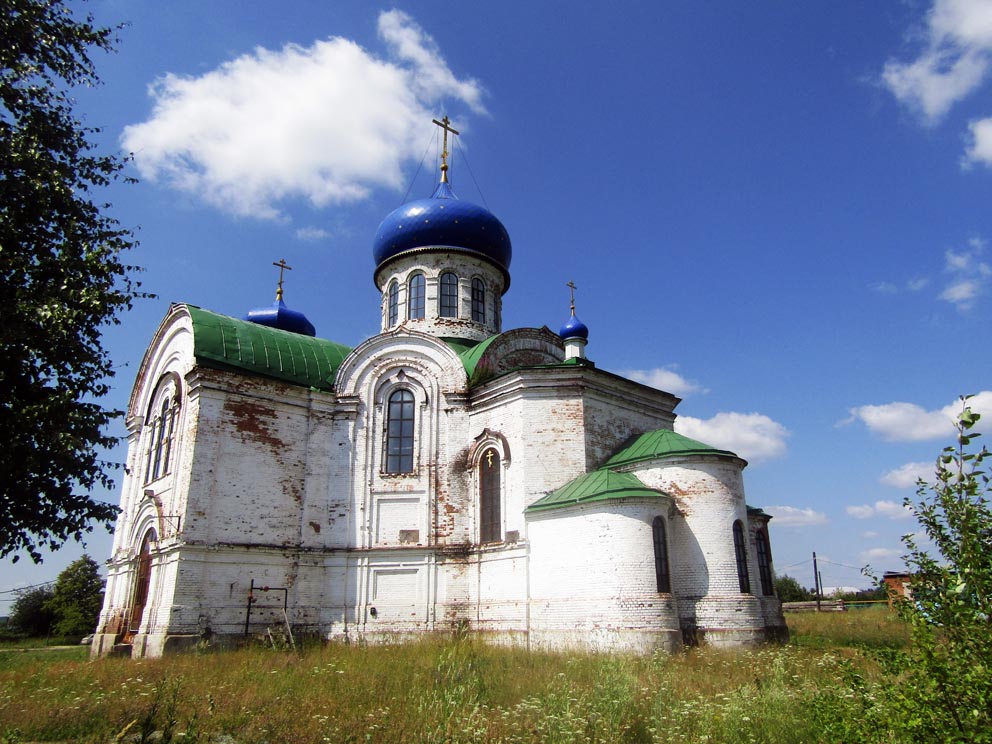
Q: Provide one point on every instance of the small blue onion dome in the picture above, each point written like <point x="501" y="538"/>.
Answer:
<point x="280" y="316"/>
<point x="574" y="328"/>
<point x="442" y="221"/>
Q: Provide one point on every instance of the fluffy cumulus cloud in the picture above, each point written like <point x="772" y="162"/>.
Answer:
<point x="883" y="508"/>
<point x="791" y="516"/>
<point x="753" y="436"/>
<point x="665" y="378"/>
<point x="881" y="554"/>
<point x="969" y="274"/>
<point x="908" y="422"/>
<point x="979" y="149"/>
<point x="326" y="123"/>
<point x="908" y="475"/>
<point x="312" y="234"/>
<point x="955" y="60"/>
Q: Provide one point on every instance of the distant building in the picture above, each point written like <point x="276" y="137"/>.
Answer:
<point x="897" y="585"/>
<point x="443" y="474"/>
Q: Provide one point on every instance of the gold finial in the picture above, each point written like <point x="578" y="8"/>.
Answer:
<point x="571" y="290"/>
<point x="283" y="266"/>
<point x="445" y="124"/>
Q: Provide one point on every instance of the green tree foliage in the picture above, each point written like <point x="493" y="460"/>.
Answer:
<point x="30" y="614"/>
<point x="62" y="280"/>
<point x="946" y="693"/>
<point x="790" y="590"/>
<point x="77" y="598"/>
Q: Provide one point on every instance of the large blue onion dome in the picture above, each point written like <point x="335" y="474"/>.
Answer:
<point x="574" y="328"/>
<point x="443" y="221"/>
<point x="280" y="316"/>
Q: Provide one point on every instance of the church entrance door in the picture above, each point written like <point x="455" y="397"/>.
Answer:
<point x="142" y="581"/>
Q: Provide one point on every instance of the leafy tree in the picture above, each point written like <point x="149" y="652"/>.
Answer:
<point x="790" y="590"/>
<point x="946" y="691"/>
<point x="62" y="280"/>
<point x="30" y="613"/>
<point x="77" y="598"/>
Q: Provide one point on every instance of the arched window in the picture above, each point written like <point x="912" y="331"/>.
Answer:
<point x="741" y="553"/>
<point x="161" y="430"/>
<point x="662" y="571"/>
<point x="415" y="297"/>
<point x="448" y="301"/>
<point x="764" y="562"/>
<point x="478" y="301"/>
<point x="142" y="580"/>
<point x="394" y="303"/>
<point x="490" y="524"/>
<point x="399" y="432"/>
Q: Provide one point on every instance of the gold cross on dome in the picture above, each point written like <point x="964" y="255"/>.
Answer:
<point x="283" y="266"/>
<point x="571" y="290"/>
<point x="445" y="124"/>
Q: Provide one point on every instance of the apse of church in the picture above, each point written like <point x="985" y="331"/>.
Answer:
<point x="443" y="474"/>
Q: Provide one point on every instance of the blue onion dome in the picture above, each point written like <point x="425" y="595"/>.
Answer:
<point x="280" y="316"/>
<point x="443" y="221"/>
<point x="574" y="328"/>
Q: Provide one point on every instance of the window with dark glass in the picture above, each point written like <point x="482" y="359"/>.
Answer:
<point x="740" y="552"/>
<point x="662" y="571"/>
<point x="490" y="526"/>
<point x="399" y="432"/>
<point x="415" y="297"/>
<point x="394" y="303"/>
<point x="478" y="301"/>
<point x="764" y="562"/>
<point x="449" y="296"/>
<point x="162" y="431"/>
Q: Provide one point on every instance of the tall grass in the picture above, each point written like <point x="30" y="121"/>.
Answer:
<point x="440" y="690"/>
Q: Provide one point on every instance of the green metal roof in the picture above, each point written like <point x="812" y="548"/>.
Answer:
<point x="655" y="445"/>
<point x="470" y="352"/>
<point x="228" y="343"/>
<point x="599" y="485"/>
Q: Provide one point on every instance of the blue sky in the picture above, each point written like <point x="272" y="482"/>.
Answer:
<point x="778" y="211"/>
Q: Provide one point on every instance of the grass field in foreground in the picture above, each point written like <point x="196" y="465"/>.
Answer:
<point x="444" y="690"/>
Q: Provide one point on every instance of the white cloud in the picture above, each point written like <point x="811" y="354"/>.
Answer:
<point x="969" y="274"/>
<point x="312" y="233"/>
<point x="882" y="508"/>
<point x="665" y="378"/>
<point x="915" y="285"/>
<point x="980" y="147"/>
<point x="908" y="422"/>
<point x="791" y="516"/>
<point x="326" y="122"/>
<point x="873" y="553"/>
<point x="954" y="63"/>
<point x="753" y="436"/>
<point x="907" y="476"/>
<point x="869" y="534"/>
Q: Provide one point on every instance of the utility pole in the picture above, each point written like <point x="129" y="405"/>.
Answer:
<point x="816" y="582"/>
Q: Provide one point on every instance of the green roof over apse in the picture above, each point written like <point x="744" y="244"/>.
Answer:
<point x="228" y="343"/>
<point x="470" y="352"/>
<point x="656" y="445"/>
<point x="599" y="485"/>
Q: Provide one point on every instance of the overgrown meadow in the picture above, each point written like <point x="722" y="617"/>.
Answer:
<point x="456" y="690"/>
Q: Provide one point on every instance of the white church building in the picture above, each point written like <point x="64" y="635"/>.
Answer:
<point x="445" y="474"/>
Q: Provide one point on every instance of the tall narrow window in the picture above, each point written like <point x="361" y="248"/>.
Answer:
<point x="394" y="303"/>
<point x="740" y="552"/>
<point x="415" y="297"/>
<point x="142" y="580"/>
<point x="449" y="296"/>
<point x="478" y="301"/>
<point x="764" y="562"/>
<point x="661" y="569"/>
<point x="161" y="431"/>
<point x="399" y="433"/>
<point x="490" y="524"/>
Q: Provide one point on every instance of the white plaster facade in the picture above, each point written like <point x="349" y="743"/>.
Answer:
<point x="241" y="475"/>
